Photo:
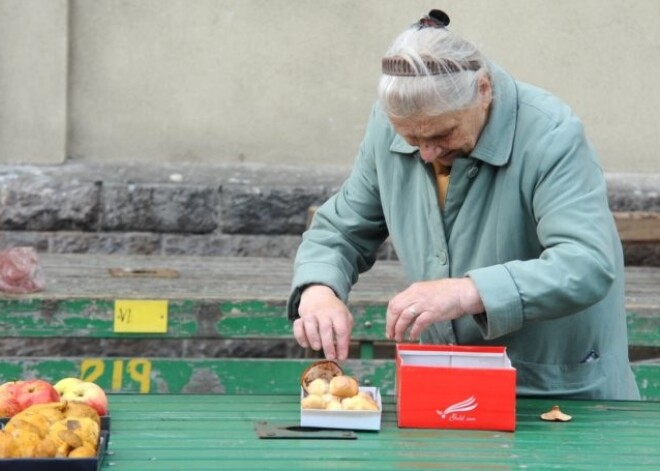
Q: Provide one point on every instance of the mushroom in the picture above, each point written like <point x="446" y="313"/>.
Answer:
<point x="555" y="415"/>
<point x="324" y="369"/>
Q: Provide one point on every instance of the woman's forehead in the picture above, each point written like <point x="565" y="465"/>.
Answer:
<point x="427" y="124"/>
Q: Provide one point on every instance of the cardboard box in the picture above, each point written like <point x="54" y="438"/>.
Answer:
<point x="343" y="419"/>
<point x="455" y="387"/>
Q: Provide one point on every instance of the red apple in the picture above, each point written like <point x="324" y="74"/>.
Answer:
<point x="8" y="404"/>
<point x="86" y="392"/>
<point x="10" y="386"/>
<point x="35" y="391"/>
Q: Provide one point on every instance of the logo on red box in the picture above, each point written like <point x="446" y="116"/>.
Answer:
<point x="452" y="413"/>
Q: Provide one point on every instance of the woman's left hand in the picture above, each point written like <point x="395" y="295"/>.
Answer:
<point x="426" y="302"/>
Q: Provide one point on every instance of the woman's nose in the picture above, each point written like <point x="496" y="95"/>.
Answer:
<point x="429" y="152"/>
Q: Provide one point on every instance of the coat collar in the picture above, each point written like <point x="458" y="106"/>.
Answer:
<point x="496" y="140"/>
<point x="400" y="146"/>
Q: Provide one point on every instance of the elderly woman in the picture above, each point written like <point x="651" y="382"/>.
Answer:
<point x="497" y="207"/>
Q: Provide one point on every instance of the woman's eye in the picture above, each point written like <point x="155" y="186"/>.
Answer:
<point x="446" y="135"/>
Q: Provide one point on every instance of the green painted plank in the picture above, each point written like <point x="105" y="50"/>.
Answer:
<point x="204" y="432"/>
<point x="227" y="375"/>
<point x="91" y="318"/>
<point x="256" y="319"/>
<point x="94" y="318"/>
<point x="647" y="375"/>
<point x="172" y="375"/>
<point x="643" y="328"/>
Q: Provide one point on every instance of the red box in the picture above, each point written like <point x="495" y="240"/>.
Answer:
<point x="455" y="387"/>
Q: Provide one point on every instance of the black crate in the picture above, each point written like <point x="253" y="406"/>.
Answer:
<point x="59" y="464"/>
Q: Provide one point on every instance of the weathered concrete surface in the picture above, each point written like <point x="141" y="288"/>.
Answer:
<point x="634" y="191"/>
<point x="158" y="208"/>
<point x="211" y="210"/>
<point x="48" y="203"/>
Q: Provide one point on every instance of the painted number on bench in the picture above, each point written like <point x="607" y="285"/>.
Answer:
<point x="140" y="316"/>
<point x="137" y="369"/>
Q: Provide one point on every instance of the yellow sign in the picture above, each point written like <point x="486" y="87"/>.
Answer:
<point x="140" y="316"/>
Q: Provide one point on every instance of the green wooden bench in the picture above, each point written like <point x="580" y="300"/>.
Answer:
<point x="217" y="299"/>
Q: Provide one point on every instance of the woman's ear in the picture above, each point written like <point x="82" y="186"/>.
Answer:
<point x="485" y="89"/>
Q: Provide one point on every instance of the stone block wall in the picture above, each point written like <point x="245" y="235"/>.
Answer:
<point x="160" y="210"/>
<point x="188" y="209"/>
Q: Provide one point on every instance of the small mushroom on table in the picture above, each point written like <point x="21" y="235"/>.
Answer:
<point x="555" y="415"/>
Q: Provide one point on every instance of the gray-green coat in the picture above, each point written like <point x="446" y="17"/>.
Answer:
<point x="526" y="217"/>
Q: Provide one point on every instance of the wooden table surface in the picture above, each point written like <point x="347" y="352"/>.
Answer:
<point x="214" y="432"/>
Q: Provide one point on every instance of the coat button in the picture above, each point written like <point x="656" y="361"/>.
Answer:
<point x="473" y="172"/>
<point x="442" y="257"/>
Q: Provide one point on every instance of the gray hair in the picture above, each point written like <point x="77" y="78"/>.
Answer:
<point x="443" y="74"/>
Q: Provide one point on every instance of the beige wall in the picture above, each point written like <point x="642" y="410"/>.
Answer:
<point x="33" y="81"/>
<point x="292" y="81"/>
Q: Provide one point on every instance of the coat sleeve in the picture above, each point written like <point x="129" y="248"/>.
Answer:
<point x="565" y="191"/>
<point x="346" y="231"/>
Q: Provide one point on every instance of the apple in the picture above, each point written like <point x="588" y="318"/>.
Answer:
<point x="10" y="387"/>
<point x="16" y="396"/>
<point x="34" y="391"/>
<point x="65" y="384"/>
<point x="8" y="404"/>
<point x="76" y="390"/>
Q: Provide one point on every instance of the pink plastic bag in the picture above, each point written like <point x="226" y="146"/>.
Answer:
<point x="20" y="271"/>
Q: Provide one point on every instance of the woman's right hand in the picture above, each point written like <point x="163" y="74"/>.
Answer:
<point x="325" y="322"/>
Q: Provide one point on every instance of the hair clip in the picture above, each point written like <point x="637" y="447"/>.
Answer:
<point x="435" y="19"/>
<point x="400" y="67"/>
